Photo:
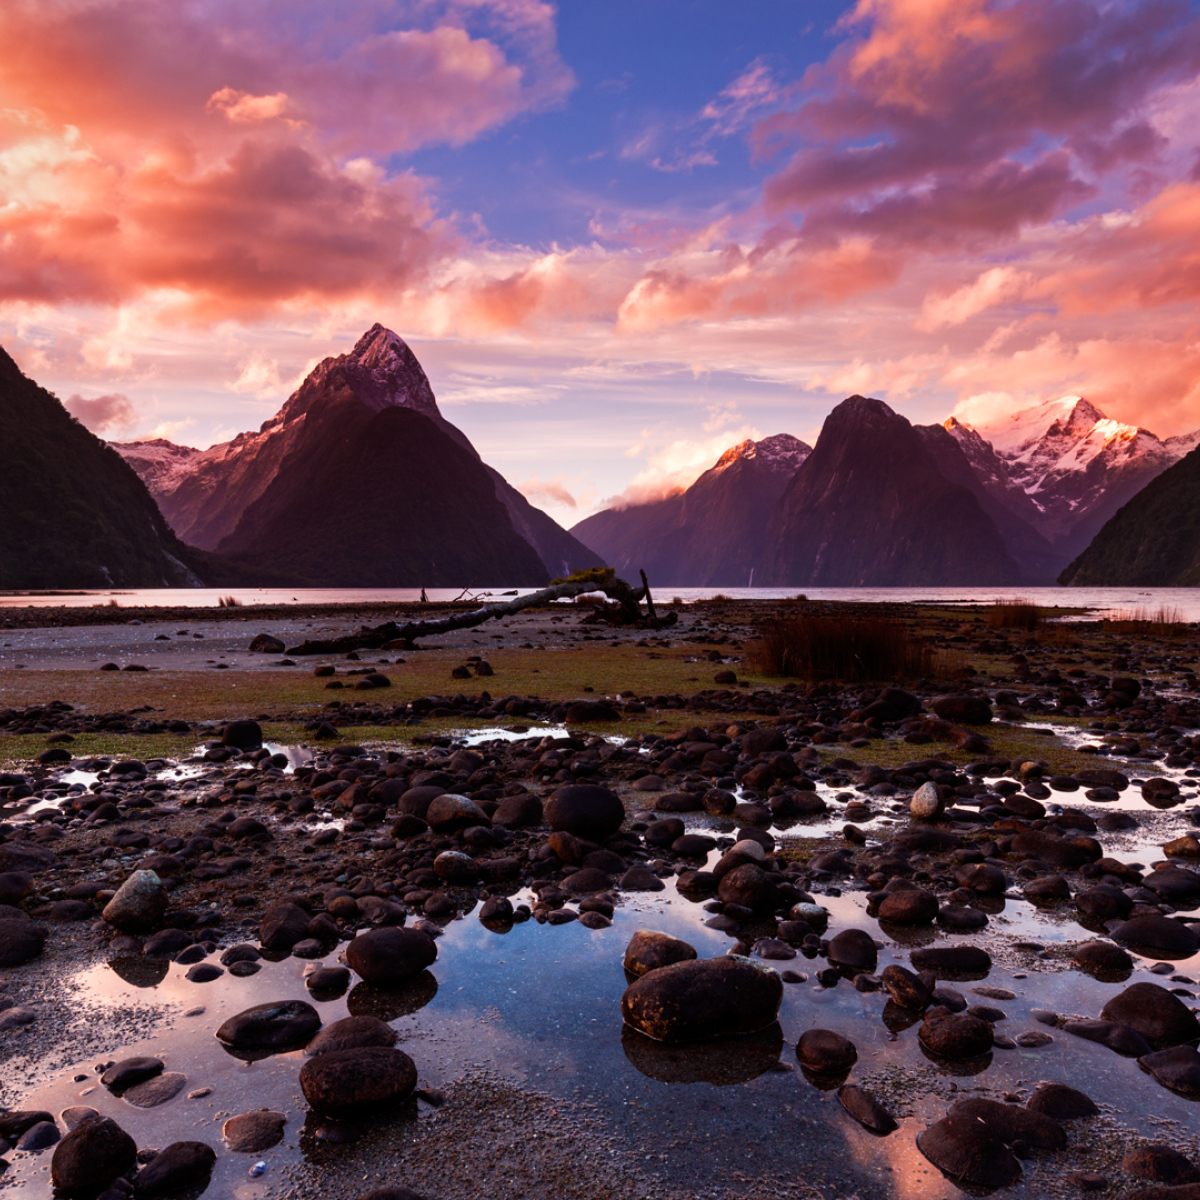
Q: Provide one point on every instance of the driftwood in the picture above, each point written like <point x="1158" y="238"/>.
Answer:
<point x="627" y="611"/>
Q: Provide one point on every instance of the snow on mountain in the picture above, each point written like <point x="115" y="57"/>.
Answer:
<point x="162" y="465"/>
<point x="780" y="452"/>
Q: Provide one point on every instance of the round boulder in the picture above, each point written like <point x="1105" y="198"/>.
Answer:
<point x="962" y="1148"/>
<point x="585" y="810"/>
<point x="179" y="1165"/>
<point x="344" y="1083"/>
<point x="282" y="1025"/>
<point x="1158" y="1015"/>
<point x="391" y="956"/>
<point x="648" y="950"/>
<point x="251" y="1132"/>
<point x="706" y="998"/>
<point x="94" y="1154"/>
<point x="826" y="1053"/>
<point x="139" y="904"/>
<point x="955" y="1036"/>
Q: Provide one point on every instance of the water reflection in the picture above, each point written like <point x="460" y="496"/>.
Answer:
<point x="722" y="1063"/>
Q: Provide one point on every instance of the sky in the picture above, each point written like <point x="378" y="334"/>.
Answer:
<point x="620" y="237"/>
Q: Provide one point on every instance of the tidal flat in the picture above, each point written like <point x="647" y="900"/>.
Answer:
<point x="293" y="810"/>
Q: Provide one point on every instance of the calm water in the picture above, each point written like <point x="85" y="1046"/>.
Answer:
<point x="1106" y="600"/>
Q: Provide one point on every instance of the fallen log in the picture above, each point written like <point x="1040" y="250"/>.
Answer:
<point x="380" y="636"/>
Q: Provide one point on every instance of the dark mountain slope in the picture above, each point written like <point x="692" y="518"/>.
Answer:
<point x="1153" y="541"/>
<point x="711" y="535"/>
<point x="383" y="499"/>
<point x="73" y="514"/>
<point x="869" y="507"/>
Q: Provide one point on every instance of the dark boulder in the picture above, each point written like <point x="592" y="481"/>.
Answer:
<point x="826" y="1053"/>
<point x="94" y="1154"/>
<point x="866" y="1110"/>
<point x="962" y="710"/>
<point x="853" y="950"/>
<point x="1011" y="1123"/>
<point x="391" y="956"/>
<point x="586" y="810"/>
<point x="648" y="950"/>
<point x="279" y="1026"/>
<point x="352" y="1033"/>
<point x="252" y="1132"/>
<point x="20" y="941"/>
<point x="283" y="925"/>
<point x="242" y="735"/>
<point x="1061" y="1103"/>
<point x="180" y="1165"/>
<point x="955" y="1036"/>
<point x="1158" y="1015"/>
<point x="1160" y="936"/>
<point x="962" y="1148"/>
<point x="1177" y="1069"/>
<point x="346" y="1083"/>
<point x="950" y="962"/>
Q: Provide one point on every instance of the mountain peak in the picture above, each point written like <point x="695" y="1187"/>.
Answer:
<point x="381" y="372"/>
<point x="781" y="451"/>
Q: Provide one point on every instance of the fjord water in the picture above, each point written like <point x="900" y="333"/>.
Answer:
<point x="1185" y="602"/>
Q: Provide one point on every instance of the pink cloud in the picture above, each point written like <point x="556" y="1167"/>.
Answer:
<point x="102" y="414"/>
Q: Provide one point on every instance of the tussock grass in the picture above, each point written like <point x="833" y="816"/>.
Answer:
<point x="1161" y="622"/>
<point x="1015" y="614"/>
<point x="851" y="649"/>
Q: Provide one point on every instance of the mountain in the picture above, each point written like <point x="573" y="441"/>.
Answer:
<point x="1072" y="463"/>
<point x="74" y="514"/>
<point x="226" y="496"/>
<point x="712" y="534"/>
<point x="870" y="508"/>
<point x="1153" y="540"/>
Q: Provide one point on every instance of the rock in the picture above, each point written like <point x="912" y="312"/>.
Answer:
<point x="587" y="881"/>
<point x="139" y="904"/>
<point x="519" y="811"/>
<point x="826" y="1053"/>
<point x="95" y="1153"/>
<point x="963" y="1148"/>
<point x="906" y="989"/>
<point x="345" y="1083"/>
<point x="1161" y="793"/>
<point x="38" y="1137"/>
<point x="1159" y="936"/>
<point x="909" y="906"/>
<point x="248" y="1133"/>
<point x="242" y="735"/>
<point x="853" y="950"/>
<point x="15" y="886"/>
<point x="705" y="998"/>
<point x="750" y="887"/>
<point x="156" y="1091"/>
<point x="586" y="810"/>
<point x="1112" y="1034"/>
<point x="1011" y="1123"/>
<point x="1177" y="1069"/>
<point x="180" y="1165"/>
<point x="1047" y="889"/>
<point x="866" y="1110"/>
<point x="1178" y="886"/>
<point x="640" y="879"/>
<point x="283" y="925"/>
<point x="392" y="1193"/>
<point x="1160" y="1164"/>
<point x="1102" y="958"/>
<point x="962" y="710"/>
<point x="926" y="803"/>
<point x="129" y="1071"/>
<point x="352" y="1033"/>
<point x="456" y="868"/>
<point x="264" y="643"/>
<point x="282" y="1025"/>
<point x="391" y="956"/>
<point x="450" y="811"/>
<point x="20" y="941"/>
<point x="648" y="950"/>
<point x="1160" y="1017"/>
<point x="1060" y="1102"/>
<point x="416" y="801"/>
<point x="955" y="1036"/>
<point x="327" y="983"/>
<point x="1064" y="853"/>
<point x="967" y="962"/>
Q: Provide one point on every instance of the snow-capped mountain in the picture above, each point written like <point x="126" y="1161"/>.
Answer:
<point x="713" y="533"/>
<point x="1065" y="466"/>
<point x="217" y="498"/>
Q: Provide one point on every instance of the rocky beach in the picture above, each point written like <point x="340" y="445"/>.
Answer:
<point x="554" y="906"/>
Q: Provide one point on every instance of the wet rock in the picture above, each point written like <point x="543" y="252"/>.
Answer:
<point x="352" y="1033"/>
<point x="1065" y="853"/>
<point x="866" y="1110"/>
<point x="130" y="1071"/>
<point x="1160" y="1163"/>
<point x="72" y="1116"/>
<point x="392" y="1193"/>
<point x="180" y="1165"/>
<point x="20" y="941"/>
<point x="1177" y="1069"/>
<point x="825" y="1052"/>
<point x="706" y="998"/>
<point x="955" y="1036"/>
<point x="416" y="801"/>
<point x="264" y="643"/>
<point x="156" y="1091"/>
<point x="327" y="982"/>
<point x="248" y="1133"/>
<point x="242" y="735"/>
<point x="283" y="925"/>
<point x="1161" y="793"/>
<point x="648" y="950"/>
<point x="963" y="1148"/>
<point x="139" y="904"/>
<point x="960" y="918"/>
<point x="15" y="886"/>
<point x="456" y="868"/>
<point x="1102" y="959"/>
<point x="95" y="1153"/>
<point x="926" y="803"/>
<point x="982" y="878"/>
<point x="450" y="811"/>
<point x="906" y="989"/>
<point x="1178" y="886"/>
<point x="1011" y="1123"/>
<point x="586" y="881"/>
<point x="1047" y="889"/>
<point x="640" y="879"/>
<point x="1060" y="1102"/>
<point x="750" y="887"/>
<point x="166" y="943"/>
<point x="585" y="810"/>
<point x="962" y="710"/>
<point x="1104" y="902"/>
<point x="519" y="811"/>
<point x="204" y="973"/>
<point x="344" y="1083"/>
<point x="496" y="910"/>
<point x="1158" y="1015"/>
<point x="853" y="950"/>
<point x="281" y="1025"/>
<point x="1158" y="935"/>
<point x="14" y="1124"/>
<point x="909" y="906"/>
<point x="965" y="962"/>
<point x="1112" y="1034"/>
<point x="38" y="1137"/>
<point x="390" y="956"/>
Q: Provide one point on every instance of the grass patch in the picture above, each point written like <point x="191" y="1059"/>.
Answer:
<point x="1015" y="614"/>
<point x="1161" y="622"/>
<point x="851" y="649"/>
